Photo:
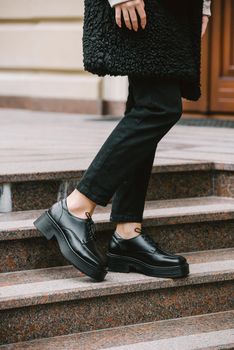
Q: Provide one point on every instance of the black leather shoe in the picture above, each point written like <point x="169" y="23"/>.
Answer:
<point x="143" y="254"/>
<point x="76" y="238"/>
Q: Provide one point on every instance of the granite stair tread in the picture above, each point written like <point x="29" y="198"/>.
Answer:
<point x="208" y="331"/>
<point x="13" y="225"/>
<point x="56" y="169"/>
<point x="49" y="285"/>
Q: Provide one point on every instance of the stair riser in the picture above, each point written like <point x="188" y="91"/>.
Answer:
<point x="224" y="183"/>
<point x="37" y="252"/>
<point x="41" y="194"/>
<point x="104" y="312"/>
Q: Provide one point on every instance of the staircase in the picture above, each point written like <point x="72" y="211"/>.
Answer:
<point x="47" y="304"/>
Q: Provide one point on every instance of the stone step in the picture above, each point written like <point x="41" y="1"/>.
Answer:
<point x="183" y="179"/>
<point x="58" y="301"/>
<point x="209" y="331"/>
<point x="188" y="224"/>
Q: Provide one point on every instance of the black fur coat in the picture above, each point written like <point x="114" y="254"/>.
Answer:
<point x="169" y="47"/>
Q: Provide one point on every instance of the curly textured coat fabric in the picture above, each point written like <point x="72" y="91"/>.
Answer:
<point x="169" y="47"/>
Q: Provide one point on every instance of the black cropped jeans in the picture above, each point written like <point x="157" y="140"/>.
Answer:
<point x="122" y="167"/>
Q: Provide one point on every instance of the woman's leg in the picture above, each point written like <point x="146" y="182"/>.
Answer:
<point x="157" y="107"/>
<point x="129" y="199"/>
<point x="130" y="247"/>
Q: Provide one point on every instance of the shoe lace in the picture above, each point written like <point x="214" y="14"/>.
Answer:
<point x="146" y="237"/>
<point x="91" y="226"/>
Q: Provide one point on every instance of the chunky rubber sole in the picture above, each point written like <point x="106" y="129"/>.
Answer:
<point x="117" y="263"/>
<point x="49" y="228"/>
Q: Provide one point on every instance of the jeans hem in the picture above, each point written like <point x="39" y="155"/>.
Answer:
<point x="93" y="197"/>
<point x="125" y="218"/>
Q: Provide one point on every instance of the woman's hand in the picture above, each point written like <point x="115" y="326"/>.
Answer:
<point x="205" y="20"/>
<point x="129" y="9"/>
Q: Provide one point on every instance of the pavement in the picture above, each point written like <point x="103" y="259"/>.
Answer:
<point x="35" y="141"/>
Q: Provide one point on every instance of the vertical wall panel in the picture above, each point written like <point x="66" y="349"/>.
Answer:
<point x="222" y="63"/>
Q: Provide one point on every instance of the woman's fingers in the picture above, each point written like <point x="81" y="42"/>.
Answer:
<point x="133" y="17"/>
<point x="141" y="11"/>
<point x="118" y="15"/>
<point x="130" y="9"/>
<point x="126" y="17"/>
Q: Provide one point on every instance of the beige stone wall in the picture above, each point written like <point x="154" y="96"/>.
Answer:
<point x="41" y="53"/>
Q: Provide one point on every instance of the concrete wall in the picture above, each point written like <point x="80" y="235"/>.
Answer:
<point x="41" y="58"/>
